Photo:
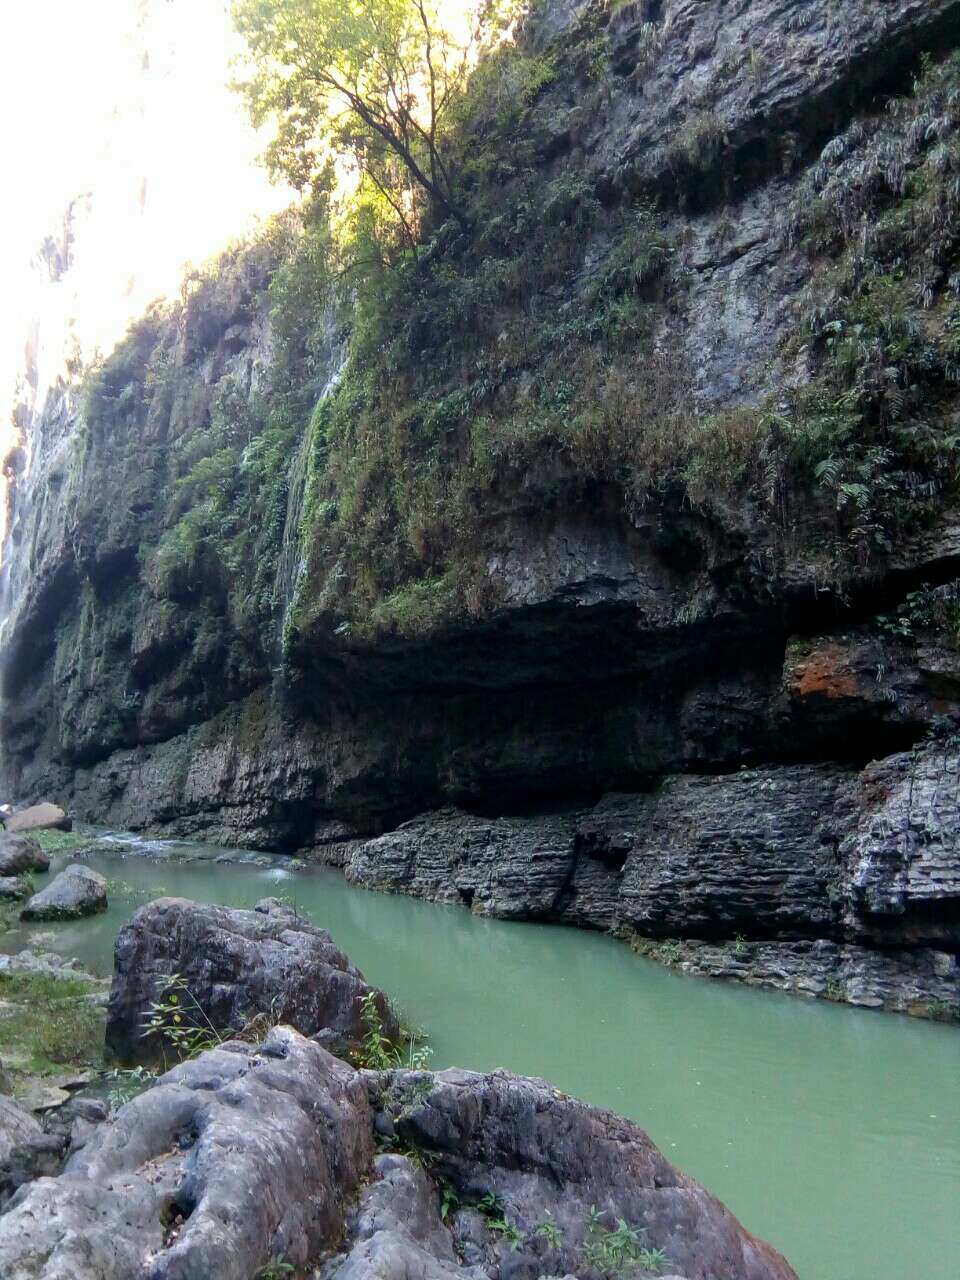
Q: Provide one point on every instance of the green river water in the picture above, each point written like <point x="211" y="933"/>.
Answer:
<point x="832" y="1132"/>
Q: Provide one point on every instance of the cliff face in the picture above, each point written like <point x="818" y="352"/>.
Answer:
<point x="673" y="648"/>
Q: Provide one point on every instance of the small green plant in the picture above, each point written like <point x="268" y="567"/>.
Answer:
<point x="550" y="1232"/>
<point x="179" y="1022"/>
<point x="128" y="1084"/>
<point x="276" y="1270"/>
<point x="942" y="1011"/>
<point x="378" y="1052"/>
<point x="449" y="1200"/>
<point x="492" y="1209"/>
<point x="611" y="1250"/>
<point x="26" y="884"/>
<point x="652" y="1259"/>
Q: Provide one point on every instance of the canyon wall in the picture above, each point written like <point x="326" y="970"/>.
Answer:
<point x="702" y="690"/>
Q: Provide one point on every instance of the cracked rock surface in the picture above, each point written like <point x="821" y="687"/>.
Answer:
<point x="248" y="1156"/>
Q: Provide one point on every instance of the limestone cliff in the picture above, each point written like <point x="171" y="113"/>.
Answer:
<point x="623" y="562"/>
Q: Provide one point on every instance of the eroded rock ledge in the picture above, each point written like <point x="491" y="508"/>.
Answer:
<point x="812" y="878"/>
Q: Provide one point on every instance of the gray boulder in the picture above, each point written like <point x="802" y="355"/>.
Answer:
<point x="76" y="891"/>
<point x="237" y="965"/>
<point x="233" y="1160"/>
<point x="13" y="888"/>
<point x="547" y="1158"/>
<point x="25" y="1149"/>
<point x="245" y="1157"/>
<point x="39" y="817"/>
<point x="20" y="853"/>
<point x="16" y="1126"/>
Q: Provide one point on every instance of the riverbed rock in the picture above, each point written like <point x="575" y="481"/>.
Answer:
<point x="76" y="891"/>
<point x="33" y="959"/>
<point x="752" y="851"/>
<point x="921" y="982"/>
<point x="39" y="817"/>
<point x="13" y="889"/>
<point x="247" y="1156"/>
<point x="20" y="853"/>
<point x="236" y="966"/>
<point x="61" y="1131"/>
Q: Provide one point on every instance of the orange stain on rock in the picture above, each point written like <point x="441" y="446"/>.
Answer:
<point x="824" y="673"/>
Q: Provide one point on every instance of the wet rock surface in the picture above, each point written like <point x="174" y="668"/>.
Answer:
<point x="76" y="891"/>
<point x="250" y="1156"/>
<point x="235" y="967"/>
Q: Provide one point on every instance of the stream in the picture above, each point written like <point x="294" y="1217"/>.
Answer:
<point x="832" y="1132"/>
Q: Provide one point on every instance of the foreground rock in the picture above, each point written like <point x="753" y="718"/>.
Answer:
<point x="76" y="891"/>
<point x="39" y="817"/>
<point x="248" y="1157"/>
<point x="20" y="853"/>
<point x="236" y="966"/>
<point x="31" y="1148"/>
<point x="16" y="1126"/>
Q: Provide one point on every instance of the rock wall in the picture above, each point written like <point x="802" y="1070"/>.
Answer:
<point x="675" y="721"/>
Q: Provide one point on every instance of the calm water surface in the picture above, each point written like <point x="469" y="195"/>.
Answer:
<point x="832" y="1132"/>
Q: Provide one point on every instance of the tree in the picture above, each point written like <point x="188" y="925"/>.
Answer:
<point x="365" y="82"/>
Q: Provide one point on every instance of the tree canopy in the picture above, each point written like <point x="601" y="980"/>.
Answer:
<point x="365" y="85"/>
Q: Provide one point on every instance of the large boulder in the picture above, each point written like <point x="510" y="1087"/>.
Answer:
<point x="234" y="966"/>
<point x="235" y="1159"/>
<point x="39" y="817"/>
<point x="19" y="853"/>
<point x="518" y="1153"/>
<point x="76" y="891"/>
<point x="248" y="1157"/>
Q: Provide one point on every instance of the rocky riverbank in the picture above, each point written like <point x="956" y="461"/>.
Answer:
<point x="275" y="1157"/>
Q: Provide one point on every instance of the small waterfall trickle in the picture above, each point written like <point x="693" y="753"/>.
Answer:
<point x="292" y="560"/>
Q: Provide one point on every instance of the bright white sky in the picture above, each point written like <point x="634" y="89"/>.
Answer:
<point x="79" y="113"/>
